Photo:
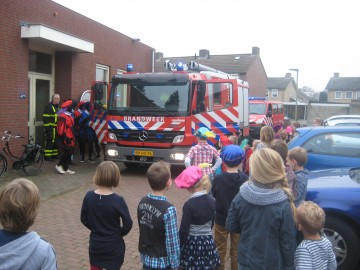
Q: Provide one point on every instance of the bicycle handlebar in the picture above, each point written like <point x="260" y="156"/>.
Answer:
<point x="8" y="135"/>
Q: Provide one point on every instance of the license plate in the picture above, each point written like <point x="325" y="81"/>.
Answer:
<point x="143" y="153"/>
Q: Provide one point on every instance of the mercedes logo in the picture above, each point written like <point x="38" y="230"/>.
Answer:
<point x="143" y="136"/>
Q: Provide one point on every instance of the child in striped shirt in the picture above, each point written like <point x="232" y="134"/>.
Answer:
<point x="315" y="251"/>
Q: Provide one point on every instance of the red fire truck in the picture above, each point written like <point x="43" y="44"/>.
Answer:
<point x="153" y="116"/>
<point x="259" y="109"/>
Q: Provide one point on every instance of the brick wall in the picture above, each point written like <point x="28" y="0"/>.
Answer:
<point x="74" y="71"/>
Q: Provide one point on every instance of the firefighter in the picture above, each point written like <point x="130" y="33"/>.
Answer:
<point x="50" y="122"/>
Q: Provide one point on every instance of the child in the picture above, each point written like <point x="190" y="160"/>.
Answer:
<point x="281" y="147"/>
<point x="224" y="141"/>
<point x="203" y="153"/>
<point x="297" y="158"/>
<point x="315" y="251"/>
<point x="224" y="189"/>
<point x="267" y="135"/>
<point x="159" y="243"/>
<point x="107" y="216"/>
<point x="198" y="250"/>
<point x="247" y="145"/>
<point x="19" y="248"/>
<point x="263" y="213"/>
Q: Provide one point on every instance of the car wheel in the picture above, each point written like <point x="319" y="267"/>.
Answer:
<point x="345" y="242"/>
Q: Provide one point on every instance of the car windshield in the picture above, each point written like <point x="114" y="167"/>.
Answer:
<point x="257" y="108"/>
<point x="139" y="98"/>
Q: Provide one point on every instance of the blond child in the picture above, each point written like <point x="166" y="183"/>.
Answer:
<point x="159" y="244"/>
<point x="198" y="250"/>
<point x="20" y="248"/>
<point x="267" y="136"/>
<point x="263" y="213"/>
<point x="315" y="251"/>
<point x="297" y="158"/>
<point x="107" y="216"/>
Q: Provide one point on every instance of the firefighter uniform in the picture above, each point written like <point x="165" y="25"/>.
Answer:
<point x="50" y="122"/>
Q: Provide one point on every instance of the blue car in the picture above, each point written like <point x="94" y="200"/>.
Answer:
<point x="329" y="146"/>
<point x="337" y="191"/>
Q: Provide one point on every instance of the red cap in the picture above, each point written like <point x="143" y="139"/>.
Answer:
<point x="225" y="141"/>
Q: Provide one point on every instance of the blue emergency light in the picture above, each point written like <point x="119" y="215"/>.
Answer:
<point x="180" y="66"/>
<point x="159" y="135"/>
<point x="257" y="98"/>
<point x="130" y="68"/>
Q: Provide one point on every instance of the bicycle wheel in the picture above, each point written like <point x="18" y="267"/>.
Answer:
<point x="3" y="164"/>
<point x="33" y="162"/>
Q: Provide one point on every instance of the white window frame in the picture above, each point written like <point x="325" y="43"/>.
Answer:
<point x="107" y="74"/>
<point x="346" y="93"/>
<point x="335" y="95"/>
<point x="274" y="93"/>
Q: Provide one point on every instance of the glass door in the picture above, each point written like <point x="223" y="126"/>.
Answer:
<point x="41" y="88"/>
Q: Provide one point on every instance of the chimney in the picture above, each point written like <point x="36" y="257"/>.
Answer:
<point x="255" y="51"/>
<point x="288" y="75"/>
<point x="204" y="53"/>
<point x="336" y="75"/>
<point x="158" y="56"/>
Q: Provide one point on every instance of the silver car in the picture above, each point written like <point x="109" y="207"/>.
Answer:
<point x="343" y="120"/>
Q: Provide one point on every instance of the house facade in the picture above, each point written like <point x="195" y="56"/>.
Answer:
<point x="247" y="67"/>
<point x="343" y="89"/>
<point x="281" y="88"/>
<point x="47" y="48"/>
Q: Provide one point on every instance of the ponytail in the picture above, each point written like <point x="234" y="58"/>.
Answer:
<point x="288" y="192"/>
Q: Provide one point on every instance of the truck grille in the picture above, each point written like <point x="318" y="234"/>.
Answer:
<point x="146" y="136"/>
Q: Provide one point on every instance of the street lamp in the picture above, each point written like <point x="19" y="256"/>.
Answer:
<point x="296" y="91"/>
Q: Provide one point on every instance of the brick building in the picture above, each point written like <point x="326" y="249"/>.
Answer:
<point x="47" y="48"/>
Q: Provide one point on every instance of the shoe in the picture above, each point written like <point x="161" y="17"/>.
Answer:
<point x="69" y="172"/>
<point x="91" y="160"/>
<point x="49" y="159"/>
<point x="82" y="158"/>
<point x="59" y="169"/>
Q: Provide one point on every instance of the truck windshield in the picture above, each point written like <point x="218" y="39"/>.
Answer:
<point x="257" y="108"/>
<point x="140" y="98"/>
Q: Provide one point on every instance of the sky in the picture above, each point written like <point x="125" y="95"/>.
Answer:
<point x="317" y="37"/>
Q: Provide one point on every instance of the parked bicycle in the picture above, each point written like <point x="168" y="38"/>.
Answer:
<point x="30" y="161"/>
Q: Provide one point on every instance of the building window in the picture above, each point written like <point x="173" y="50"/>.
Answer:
<point x="274" y="93"/>
<point x="348" y="95"/>
<point x="357" y="94"/>
<point x="40" y="62"/>
<point x="338" y="95"/>
<point x="102" y="74"/>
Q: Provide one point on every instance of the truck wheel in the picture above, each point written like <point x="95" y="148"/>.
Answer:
<point x="345" y="242"/>
<point x="131" y="166"/>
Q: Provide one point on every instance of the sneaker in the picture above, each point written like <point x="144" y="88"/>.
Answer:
<point x="59" y="169"/>
<point x="82" y="159"/>
<point x="69" y="172"/>
<point x="91" y="160"/>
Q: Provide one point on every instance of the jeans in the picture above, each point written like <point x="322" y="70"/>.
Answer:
<point x="221" y="240"/>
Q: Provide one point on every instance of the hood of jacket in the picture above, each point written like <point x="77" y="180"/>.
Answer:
<point x="233" y="180"/>
<point x="259" y="194"/>
<point x="15" y="254"/>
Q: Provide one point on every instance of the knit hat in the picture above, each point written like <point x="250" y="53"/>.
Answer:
<point x="189" y="177"/>
<point x="204" y="133"/>
<point x="232" y="155"/>
<point x="225" y="141"/>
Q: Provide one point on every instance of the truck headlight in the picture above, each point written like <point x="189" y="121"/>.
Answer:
<point x="112" y="152"/>
<point x="178" y="139"/>
<point x="177" y="156"/>
<point x="112" y="136"/>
